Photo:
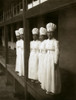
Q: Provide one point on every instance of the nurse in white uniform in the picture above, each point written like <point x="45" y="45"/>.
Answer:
<point x="42" y="53"/>
<point x="52" y="83"/>
<point x="33" y="58"/>
<point x="21" y="31"/>
<point x="18" y="50"/>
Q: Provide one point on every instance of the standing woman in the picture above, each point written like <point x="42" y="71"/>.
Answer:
<point x="21" y="31"/>
<point x="18" y="50"/>
<point x="41" y="53"/>
<point x="51" y="71"/>
<point x="33" y="58"/>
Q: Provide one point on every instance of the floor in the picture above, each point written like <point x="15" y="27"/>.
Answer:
<point x="6" y="91"/>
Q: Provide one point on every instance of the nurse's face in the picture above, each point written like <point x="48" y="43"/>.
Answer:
<point x="50" y="34"/>
<point x="22" y="36"/>
<point x="41" y="37"/>
<point x="35" y="37"/>
<point x="18" y="37"/>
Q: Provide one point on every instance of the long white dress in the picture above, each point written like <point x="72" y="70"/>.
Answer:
<point x="42" y="53"/>
<point x="18" y="57"/>
<point x="22" y="57"/>
<point x="33" y="60"/>
<point x="51" y="79"/>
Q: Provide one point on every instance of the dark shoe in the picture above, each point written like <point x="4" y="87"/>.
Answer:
<point x="47" y="92"/>
<point x="32" y="81"/>
<point x="50" y="93"/>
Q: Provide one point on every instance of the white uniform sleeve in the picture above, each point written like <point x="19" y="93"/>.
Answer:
<point x="56" y="52"/>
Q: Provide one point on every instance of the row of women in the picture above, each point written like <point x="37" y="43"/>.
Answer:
<point x="19" y="52"/>
<point x="43" y="59"/>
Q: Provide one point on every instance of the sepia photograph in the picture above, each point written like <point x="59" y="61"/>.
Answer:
<point x="37" y="49"/>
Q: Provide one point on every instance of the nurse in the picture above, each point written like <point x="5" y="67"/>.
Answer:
<point x="33" y="58"/>
<point x="42" y="53"/>
<point x="52" y="83"/>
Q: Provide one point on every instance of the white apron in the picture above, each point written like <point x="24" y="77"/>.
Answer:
<point x="51" y="80"/>
<point x="33" y="60"/>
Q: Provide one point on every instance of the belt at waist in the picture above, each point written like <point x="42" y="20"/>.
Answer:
<point x="51" y="50"/>
<point x="42" y="51"/>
